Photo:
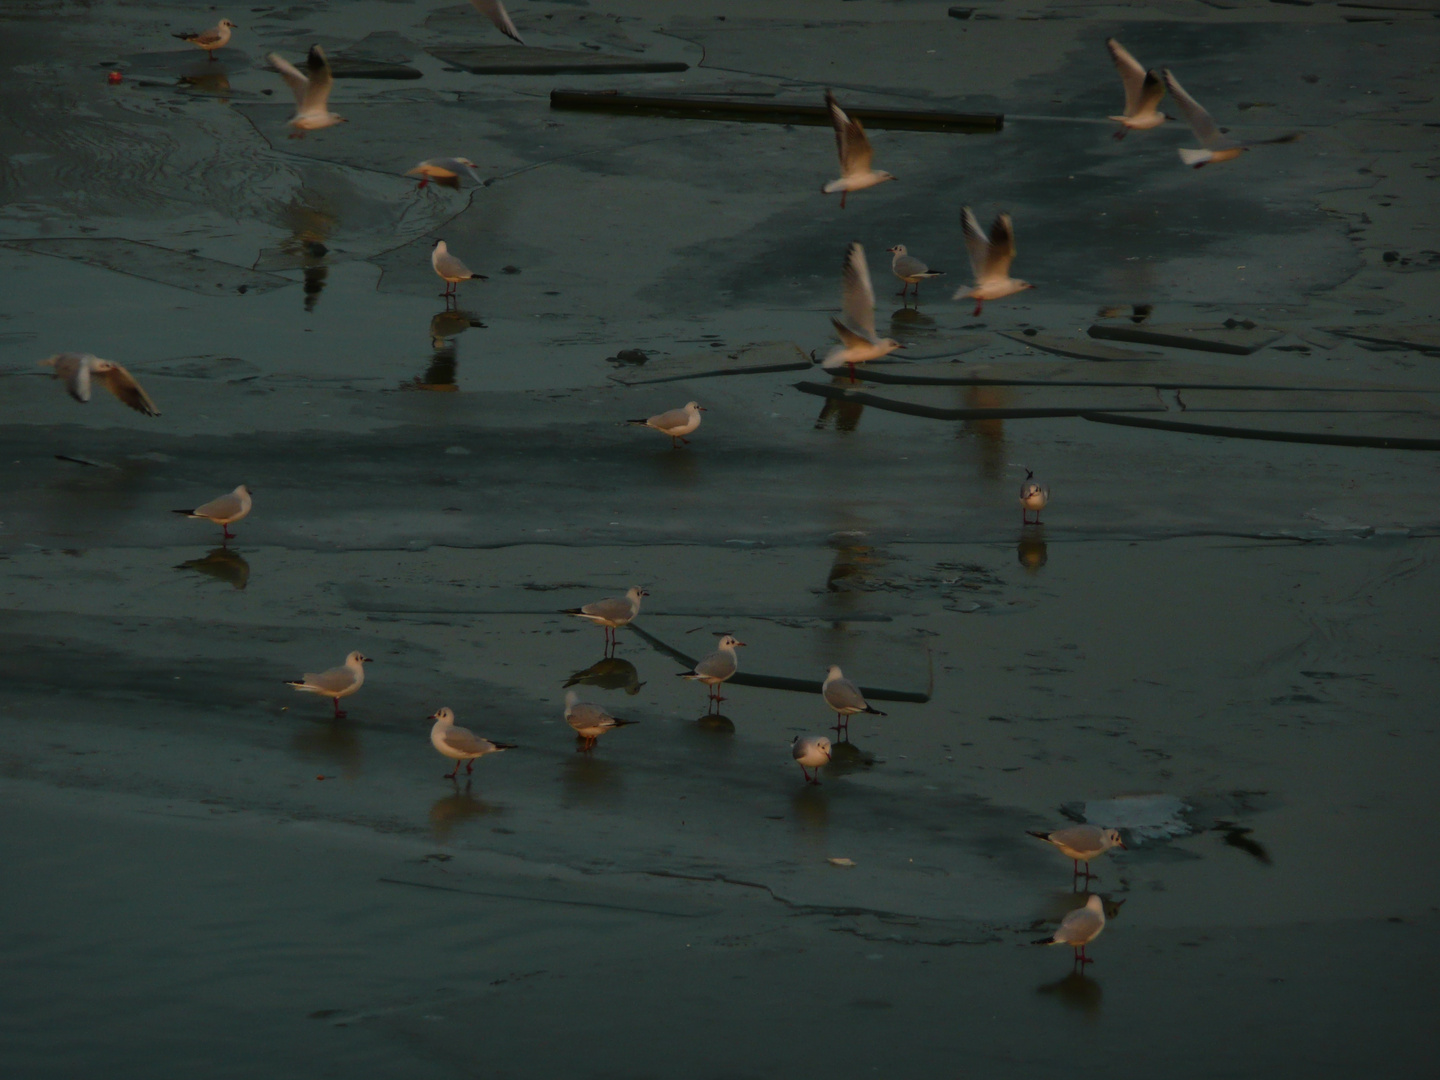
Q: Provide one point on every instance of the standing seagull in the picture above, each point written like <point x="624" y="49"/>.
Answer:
<point x="1079" y="928"/>
<point x="717" y="667"/>
<point x="1217" y="147"/>
<point x="336" y="683"/>
<point x="910" y="270"/>
<point x="80" y="369"/>
<point x="460" y="745"/>
<point x="1143" y="91"/>
<point x="856" y="326"/>
<point x="855" y="154"/>
<point x="451" y="269"/>
<point x="845" y="698"/>
<point x="1033" y="498"/>
<point x="444" y="171"/>
<point x="677" y="423"/>
<point x="611" y="613"/>
<point x="311" y="90"/>
<point x="990" y="260"/>
<point x="217" y="37"/>
<point x="224" y="511"/>
<point x="1082" y="843"/>
<point x="810" y="752"/>
<point x="589" y="721"/>
<point x="495" y="11"/>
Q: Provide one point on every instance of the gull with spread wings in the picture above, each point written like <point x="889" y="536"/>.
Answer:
<point x="856" y="327"/>
<point x="1217" y="147"/>
<point x="855" y="154"/>
<point x="990" y="259"/>
<point x="1143" y="91"/>
<point x="80" y="370"/>
<point x="495" y="11"/>
<point x="311" y="89"/>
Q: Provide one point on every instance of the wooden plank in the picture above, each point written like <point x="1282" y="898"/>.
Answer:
<point x="1237" y="340"/>
<point x="758" y="359"/>
<point x="997" y="403"/>
<point x="770" y="112"/>
<point x="510" y="60"/>
<point x="1077" y="348"/>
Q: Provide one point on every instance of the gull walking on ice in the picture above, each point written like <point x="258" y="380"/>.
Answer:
<point x="1033" y="498"/>
<point x="80" y="370"/>
<point x="336" y="683"/>
<point x="223" y="511"/>
<point x="451" y="269"/>
<point x="311" y="90"/>
<point x="990" y="259"/>
<point x="1217" y="147"/>
<point x="444" y="171"/>
<point x="856" y="325"/>
<point x="855" y="154"/>
<point x="217" y="37"/>
<point x="810" y="752"/>
<point x="1082" y="843"/>
<point x="459" y="744"/>
<point x="845" y="698"/>
<point x="611" y="613"/>
<point x="910" y="270"/>
<point x="589" y="721"/>
<point x="1079" y="928"/>
<point x="495" y="11"/>
<point x="677" y="423"/>
<point x="1143" y="91"/>
<point x="717" y="667"/>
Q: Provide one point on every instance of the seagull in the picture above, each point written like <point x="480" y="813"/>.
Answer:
<point x="810" y="751"/>
<point x="451" y="269"/>
<point x="217" y="37"/>
<point x="856" y="326"/>
<point x="312" y="92"/>
<point x="223" y="511"/>
<point x="1143" y="91"/>
<point x="910" y="270"/>
<point x="1033" y="497"/>
<point x="990" y="260"/>
<point x="445" y="171"/>
<point x="1079" y="928"/>
<point x="855" y="154"/>
<point x="844" y="697"/>
<point x="459" y="744"/>
<point x="1217" y="147"/>
<point x="1082" y="843"/>
<point x="80" y="369"/>
<point x="589" y="721"/>
<point x="336" y="683"/>
<point x="717" y="667"/>
<point x="677" y="423"/>
<point x="611" y="613"/>
<point x="495" y="11"/>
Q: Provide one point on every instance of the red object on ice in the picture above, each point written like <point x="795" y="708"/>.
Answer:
<point x="114" y="77"/>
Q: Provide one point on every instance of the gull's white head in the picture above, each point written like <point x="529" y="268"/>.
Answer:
<point x="1095" y="904"/>
<point x="898" y="249"/>
<point x="694" y="406"/>
<point x="440" y="247"/>
<point x="444" y="715"/>
<point x="229" y="25"/>
<point x="729" y="641"/>
<point x="242" y="490"/>
<point x="571" y="697"/>
<point x="355" y="659"/>
<point x="834" y="672"/>
<point x="823" y="745"/>
<point x="635" y="592"/>
<point x="1111" y="838"/>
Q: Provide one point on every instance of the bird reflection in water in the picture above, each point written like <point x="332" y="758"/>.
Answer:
<point x="332" y="743"/>
<point x="445" y="326"/>
<point x="587" y="779"/>
<point x="715" y="723"/>
<point x="305" y="247"/>
<point x="1031" y="549"/>
<point x="208" y="79"/>
<point x="843" y="414"/>
<point x="855" y="563"/>
<point x="989" y="435"/>
<point x="1076" y="990"/>
<point x="609" y="673"/>
<point x="222" y="564"/>
<point x="459" y="806"/>
<point x="811" y="804"/>
<point x="1238" y="836"/>
<point x="846" y="757"/>
<point x="907" y="321"/>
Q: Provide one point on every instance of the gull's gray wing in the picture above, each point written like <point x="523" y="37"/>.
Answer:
<point x="223" y="507"/>
<point x="1131" y="74"/>
<point x="585" y="715"/>
<point x="844" y="694"/>
<point x="297" y="82"/>
<point x="1001" y="252"/>
<point x="317" y="89"/>
<point x="1151" y="91"/>
<point x="615" y="607"/>
<point x="672" y="418"/>
<point x="467" y="742"/>
<point x="857" y="295"/>
<point x="1079" y="926"/>
<point x="335" y="679"/>
<point x="851" y="142"/>
<point x="977" y="245"/>
<point x="74" y="368"/>
<point x="1082" y="838"/>
<point x="1195" y="114"/>
<point x="123" y="385"/>
<point x="909" y="266"/>
<point x="495" y="11"/>
<point x="718" y="665"/>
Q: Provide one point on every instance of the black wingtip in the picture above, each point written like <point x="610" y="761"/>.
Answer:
<point x="1037" y="835"/>
<point x="874" y="711"/>
<point x="187" y="513"/>
<point x="506" y="745"/>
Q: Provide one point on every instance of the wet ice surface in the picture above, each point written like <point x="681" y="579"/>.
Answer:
<point x="1219" y="645"/>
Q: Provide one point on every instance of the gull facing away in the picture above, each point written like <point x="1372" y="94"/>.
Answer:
<point x="217" y="37"/>
<point x="717" y="667"/>
<point x="311" y="90"/>
<point x="451" y="269"/>
<point x="856" y="325"/>
<point x="845" y="698"/>
<point x="910" y="270"/>
<point x="223" y="511"/>
<point x="1143" y="91"/>
<point x="336" y="683"/>
<point x="495" y="11"/>
<point x="459" y="744"/>
<point x="855" y="153"/>
<point x="444" y="171"/>
<point x="1082" y="843"/>
<point x="611" y="613"/>
<point x="1079" y="928"/>
<point x="80" y="370"/>
<point x="1217" y="147"/>
<point x="677" y="423"/>
<point x="589" y="721"/>
<point x="1033" y="498"/>
<point x="990" y="259"/>
<point x="810" y="752"/>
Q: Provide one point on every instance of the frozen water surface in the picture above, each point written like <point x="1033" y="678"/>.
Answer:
<point x="1221" y="645"/>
